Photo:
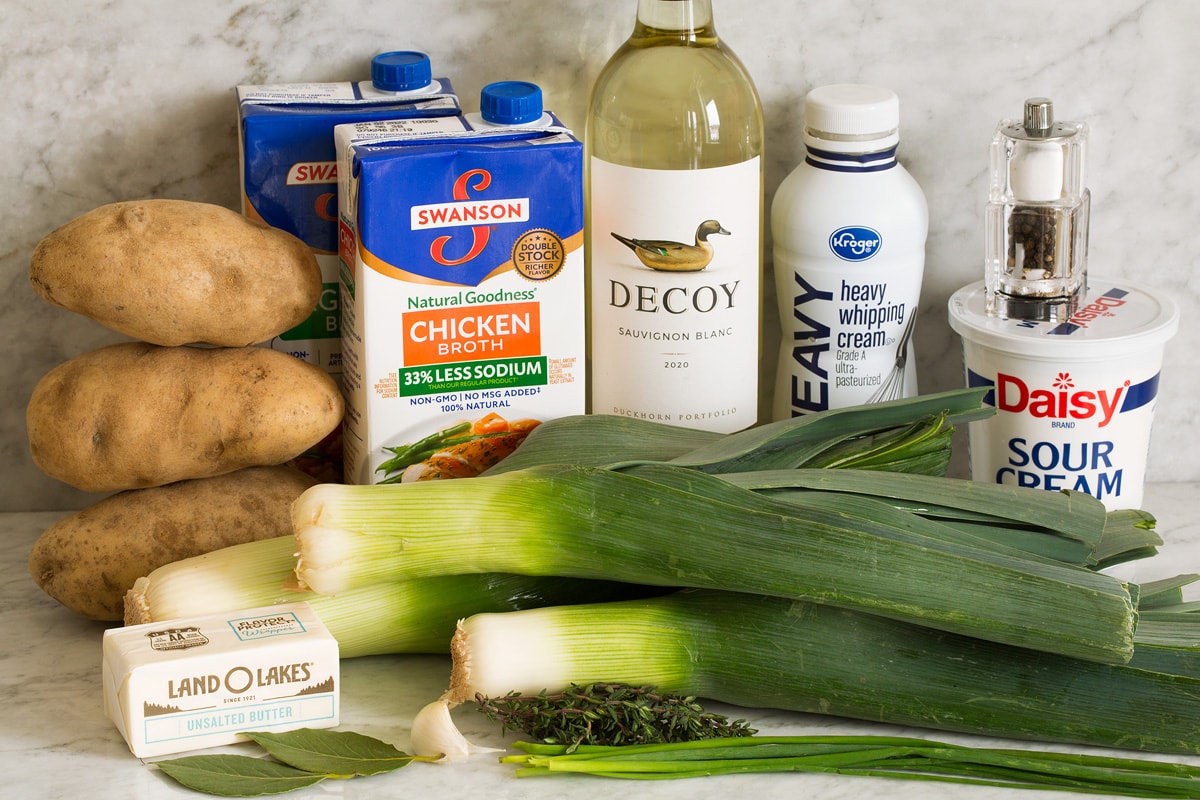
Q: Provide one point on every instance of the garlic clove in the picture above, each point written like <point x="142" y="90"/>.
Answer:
<point x="434" y="733"/>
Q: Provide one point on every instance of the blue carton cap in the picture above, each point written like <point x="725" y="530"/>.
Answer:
<point x="401" y="71"/>
<point x="511" y="102"/>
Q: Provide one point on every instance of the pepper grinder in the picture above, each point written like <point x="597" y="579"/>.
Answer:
<point x="1037" y="217"/>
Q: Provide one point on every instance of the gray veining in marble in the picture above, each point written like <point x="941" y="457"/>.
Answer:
<point x="122" y="99"/>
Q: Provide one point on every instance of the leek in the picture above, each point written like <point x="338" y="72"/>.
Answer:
<point x="770" y="652"/>
<point x="908" y="435"/>
<point x="588" y="522"/>
<point x="416" y="616"/>
<point x="1067" y="526"/>
<point x="1167" y="638"/>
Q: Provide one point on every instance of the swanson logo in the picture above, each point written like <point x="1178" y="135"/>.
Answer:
<point x="479" y="215"/>
<point x="854" y="243"/>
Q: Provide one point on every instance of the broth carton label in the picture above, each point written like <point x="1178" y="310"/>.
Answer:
<point x="461" y="289"/>
<point x="288" y="170"/>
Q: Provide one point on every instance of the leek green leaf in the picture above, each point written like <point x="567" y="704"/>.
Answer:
<point x="782" y="444"/>
<point x="1165" y="593"/>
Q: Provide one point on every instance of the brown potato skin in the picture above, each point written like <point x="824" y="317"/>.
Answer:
<point x="173" y="272"/>
<point x="134" y="415"/>
<point x="88" y="560"/>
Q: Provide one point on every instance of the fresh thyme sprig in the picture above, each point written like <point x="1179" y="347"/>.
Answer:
<point x="609" y="714"/>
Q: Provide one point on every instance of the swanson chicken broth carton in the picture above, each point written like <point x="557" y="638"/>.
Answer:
<point x="288" y="171"/>
<point x="289" y="167"/>
<point x="462" y="288"/>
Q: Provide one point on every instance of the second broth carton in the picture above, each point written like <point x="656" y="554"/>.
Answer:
<point x="288" y="174"/>
<point x="461" y="285"/>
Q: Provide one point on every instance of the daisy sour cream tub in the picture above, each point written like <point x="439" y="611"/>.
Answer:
<point x="1075" y="398"/>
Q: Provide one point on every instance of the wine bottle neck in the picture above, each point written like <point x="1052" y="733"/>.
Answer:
<point x="685" y="17"/>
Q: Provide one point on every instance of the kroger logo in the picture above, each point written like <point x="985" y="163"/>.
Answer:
<point x="854" y="243"/>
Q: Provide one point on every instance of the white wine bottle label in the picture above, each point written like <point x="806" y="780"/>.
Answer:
<point x="674" y="294"/>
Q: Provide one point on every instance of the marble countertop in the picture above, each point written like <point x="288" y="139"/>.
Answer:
<point x="55" y="741"/>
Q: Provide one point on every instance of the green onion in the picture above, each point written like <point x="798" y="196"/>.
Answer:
<point x="770" y="652"/>
<point x="878" y="756"/>
<point x="588" y="522"/>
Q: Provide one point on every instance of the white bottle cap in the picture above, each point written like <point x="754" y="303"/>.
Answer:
<point x="851" y="118"/>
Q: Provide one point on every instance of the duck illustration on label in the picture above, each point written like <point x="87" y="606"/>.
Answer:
<point x="668" y="256"/>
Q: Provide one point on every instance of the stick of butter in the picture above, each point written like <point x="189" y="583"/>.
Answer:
<point x="191" y="683"/>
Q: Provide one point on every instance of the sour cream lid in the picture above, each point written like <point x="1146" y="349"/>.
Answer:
<point x="1115" y="318"/>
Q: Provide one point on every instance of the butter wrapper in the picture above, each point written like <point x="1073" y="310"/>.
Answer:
<point x="201" y="682"/>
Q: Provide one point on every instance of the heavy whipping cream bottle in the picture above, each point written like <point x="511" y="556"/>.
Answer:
<point x="849" y="227"/>
<point x="674" y="143"/>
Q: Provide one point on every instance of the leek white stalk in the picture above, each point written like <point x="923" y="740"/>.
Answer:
<point x="414" y="616"/>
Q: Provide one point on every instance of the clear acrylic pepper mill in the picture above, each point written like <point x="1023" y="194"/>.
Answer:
<point x="1037" y="217"/>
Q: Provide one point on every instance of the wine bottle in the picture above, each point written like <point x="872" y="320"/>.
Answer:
<point x="673" y="235"/>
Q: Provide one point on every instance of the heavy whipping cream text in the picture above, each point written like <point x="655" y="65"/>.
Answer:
<point x="849" y="226"/>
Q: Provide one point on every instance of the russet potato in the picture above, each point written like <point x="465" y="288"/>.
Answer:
<point x="88" y="560"/>
<point x="134" y="415"/>
<point x="174" y="272"/>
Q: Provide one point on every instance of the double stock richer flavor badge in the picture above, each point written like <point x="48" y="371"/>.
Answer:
<point x="462" y="291"/>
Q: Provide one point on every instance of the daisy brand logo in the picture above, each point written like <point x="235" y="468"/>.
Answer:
<point x="477" y="214"/>
<point x="1062" y="401"/>
<point x="1104" y="306"/>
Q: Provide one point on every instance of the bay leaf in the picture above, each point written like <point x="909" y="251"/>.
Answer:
<point x="335" y="753"/>
<point x="237" y="776"/>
